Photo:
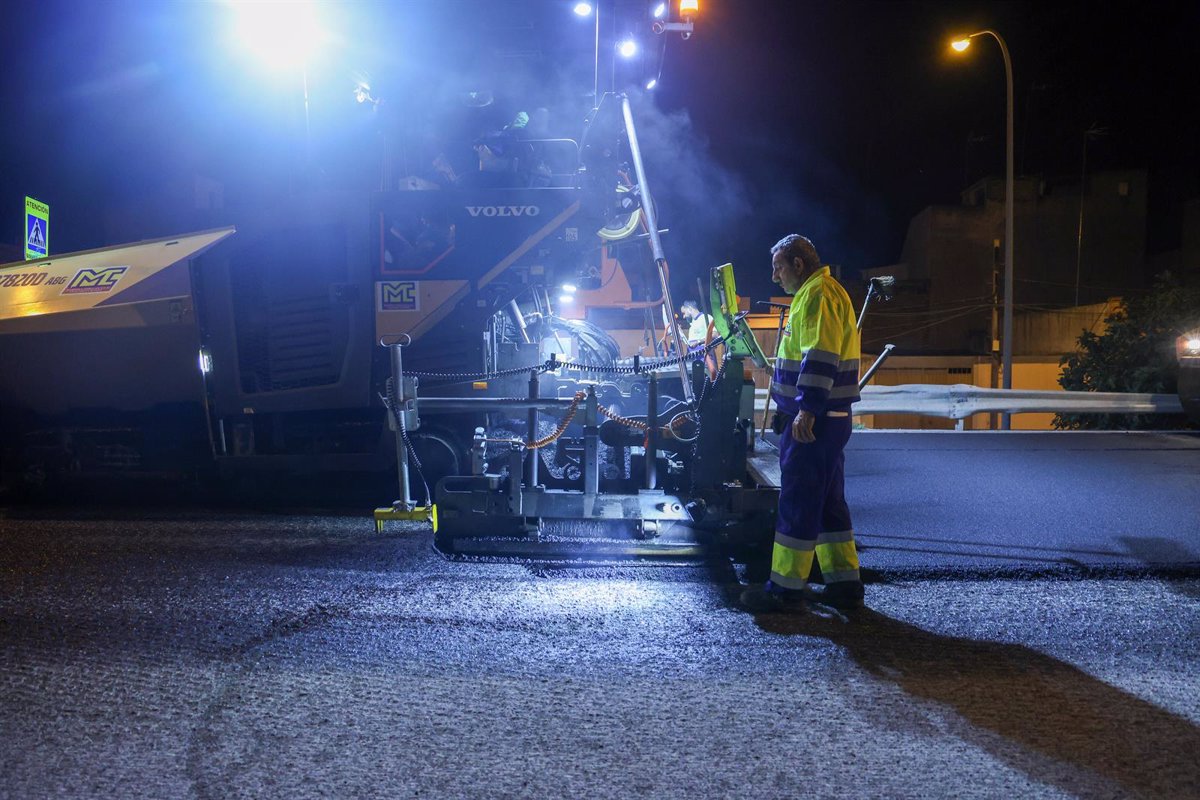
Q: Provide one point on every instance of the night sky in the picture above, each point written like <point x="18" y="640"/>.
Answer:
<point x="839" y="120"/>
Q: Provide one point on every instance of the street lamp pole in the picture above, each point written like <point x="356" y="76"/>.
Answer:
<point x="1006" y="345"/>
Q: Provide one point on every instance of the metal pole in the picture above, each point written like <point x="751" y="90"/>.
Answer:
<point x="591" y="445"/>
<point x="1007" y="350"/>
<point x="767" y="408"/>
<point x="870" y="373"/>
<point x="482" y="405"/>
<point x="532" y="465"/>
<point x="596" y="70"/>
<point x="397" y="401"/>
<point x="651" y="457"/>
<point x="519" y="318"/>
<point x="307" y="131"/>
<point x="1079" y="232"/>
<point x="1007" y="343"/>
<point x="866" y="302"/>
<point x="656" y="247"/>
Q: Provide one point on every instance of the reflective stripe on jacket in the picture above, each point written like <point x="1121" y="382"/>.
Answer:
<point x="816" y="367"/>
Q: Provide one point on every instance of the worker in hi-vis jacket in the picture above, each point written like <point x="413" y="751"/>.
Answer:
<point x="814" y="384"/>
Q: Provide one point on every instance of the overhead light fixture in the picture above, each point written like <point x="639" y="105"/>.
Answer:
<point x="659" y="10"/>
<point x="569" y="288"/>
<point x="566" y="298"/>
<point x="627" y="48"/>
<point x="961" y="44"/>
<point x="650" y="84"/>
<point x="583" y="9"/>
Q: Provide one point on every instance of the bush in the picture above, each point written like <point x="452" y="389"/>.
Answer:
<point x="1136" y="353"/>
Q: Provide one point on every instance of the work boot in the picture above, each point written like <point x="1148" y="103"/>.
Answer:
<point x="770" y="599"/>
<point x="843" y="595"/>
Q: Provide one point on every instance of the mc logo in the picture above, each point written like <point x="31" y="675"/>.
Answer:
<point x="94" y="280"/>
<point x="398" y="296"/>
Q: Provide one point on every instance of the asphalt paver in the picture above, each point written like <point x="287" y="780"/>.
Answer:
<point x="195" y="654"/>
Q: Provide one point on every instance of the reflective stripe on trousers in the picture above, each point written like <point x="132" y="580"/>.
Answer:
<point x="813" y="516"/>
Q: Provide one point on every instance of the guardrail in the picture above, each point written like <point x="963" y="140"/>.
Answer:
<point x="960" y="401"/>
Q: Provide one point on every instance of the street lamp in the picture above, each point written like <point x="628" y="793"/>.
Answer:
<point x="959" y="45"/>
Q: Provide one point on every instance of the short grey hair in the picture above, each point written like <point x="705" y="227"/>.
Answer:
<point x="796" y="246"/>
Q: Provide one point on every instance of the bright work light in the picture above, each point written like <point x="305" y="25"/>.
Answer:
<point x="282" y="34"/>
<point x="659" y="10"/>
<point x="628" y="48"/>
<point x="583" y="9"/>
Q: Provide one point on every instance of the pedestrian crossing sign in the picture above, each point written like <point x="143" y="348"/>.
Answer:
<point x="37" y="229"/>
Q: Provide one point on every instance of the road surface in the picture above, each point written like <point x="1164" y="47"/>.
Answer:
<point x="185" y="652"/>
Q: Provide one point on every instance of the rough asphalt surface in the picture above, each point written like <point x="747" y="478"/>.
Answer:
<point x="1033" y="631"/>
<point x="192" y="654"/>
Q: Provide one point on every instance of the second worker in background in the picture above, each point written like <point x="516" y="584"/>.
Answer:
<point x="814" y="385"/>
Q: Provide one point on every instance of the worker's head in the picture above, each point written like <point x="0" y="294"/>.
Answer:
<point x="793" y="259"/>
<point x="690" y="309"/>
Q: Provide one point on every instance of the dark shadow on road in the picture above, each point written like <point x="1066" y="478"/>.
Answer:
<point x="1045" y="717"/>
<point x="1154" y="551"/>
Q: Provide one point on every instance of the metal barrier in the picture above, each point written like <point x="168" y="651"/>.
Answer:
<point x="960" y="401"/>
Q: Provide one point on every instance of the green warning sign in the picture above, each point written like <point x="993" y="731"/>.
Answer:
<point x="37" y="229"/>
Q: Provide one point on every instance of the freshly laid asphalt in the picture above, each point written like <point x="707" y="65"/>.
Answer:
<point x="1019" y="641"/>
<point x="1001" y="500"/>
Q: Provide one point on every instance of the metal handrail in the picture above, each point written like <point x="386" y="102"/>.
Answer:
<point x="960" y="401"/>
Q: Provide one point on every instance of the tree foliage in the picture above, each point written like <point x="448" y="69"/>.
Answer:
<point x="1135" y="353"/>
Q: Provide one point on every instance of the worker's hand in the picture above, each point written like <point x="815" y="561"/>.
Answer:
<point x="802" y="427"/>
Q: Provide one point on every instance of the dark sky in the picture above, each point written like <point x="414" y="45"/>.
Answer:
<point x="840" y="120"/>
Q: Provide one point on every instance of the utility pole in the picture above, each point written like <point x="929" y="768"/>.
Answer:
<point x="995" y="327"/>
<point x="1090" y="133"/>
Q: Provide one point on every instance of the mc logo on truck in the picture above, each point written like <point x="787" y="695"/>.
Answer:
<point x="503" y="211"/>
<point x="94" y="280"/>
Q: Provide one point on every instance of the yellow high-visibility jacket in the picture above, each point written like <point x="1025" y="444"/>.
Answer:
<point x="816" y="367"/>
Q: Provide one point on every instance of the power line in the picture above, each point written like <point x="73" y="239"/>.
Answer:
<point x="935" y="323"/>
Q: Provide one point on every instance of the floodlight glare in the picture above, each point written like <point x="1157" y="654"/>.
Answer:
<point x="659" y="10"/>
<point x="583" y="9"/>
<point x="687" y="7"/>
<point x="961" y="44"/>
<point x="628" y="48"/>
<point x="566" y="298"/>
<point x="569" y="288"/>
<point x="1193" y="344"/>
<point x="650" y="84"/>
<point x="282" y="34"/>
